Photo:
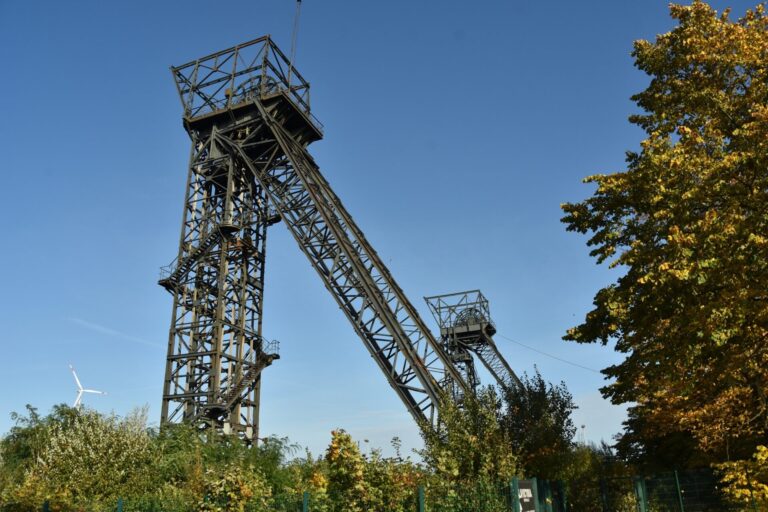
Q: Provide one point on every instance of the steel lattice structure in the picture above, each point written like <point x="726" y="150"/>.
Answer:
<point x="248" y="115"/>
<point x="466" y="328"/>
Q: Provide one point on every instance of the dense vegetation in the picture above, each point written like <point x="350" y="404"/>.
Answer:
<point x="687" y="223"/>
<point x="81" y="459"/>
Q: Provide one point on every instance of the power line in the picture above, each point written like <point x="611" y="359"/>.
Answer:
<point x="548" y="355"/>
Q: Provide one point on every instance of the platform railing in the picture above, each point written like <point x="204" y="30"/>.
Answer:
<point x="225" y="79"/>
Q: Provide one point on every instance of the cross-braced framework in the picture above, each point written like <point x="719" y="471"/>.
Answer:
<point x="216" y="350"/>
<point x="247" y="112"/>
<point x="466" y="328"/>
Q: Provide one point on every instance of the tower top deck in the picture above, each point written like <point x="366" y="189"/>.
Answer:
<point x="233" y="77"/>
<point x="460" y="309"/>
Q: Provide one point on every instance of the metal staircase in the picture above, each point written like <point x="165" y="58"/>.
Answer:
<point x="172" y="274"/>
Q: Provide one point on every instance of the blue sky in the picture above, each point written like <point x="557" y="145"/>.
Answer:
<point x="453" y="132"/>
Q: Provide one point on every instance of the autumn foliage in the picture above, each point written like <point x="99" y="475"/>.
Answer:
<point x="687" y="224"/>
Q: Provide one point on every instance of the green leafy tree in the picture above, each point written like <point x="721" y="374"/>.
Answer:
<point x="26" y="440"/>
<point x="469" y="454"/>
<point x="234" y="488"/>
<point x="393" y="482"/>
<point x="537" y="418"/>
<point x="688" y="223"/>
<point x="584" y="466"/>
<point x="90" y="460"/>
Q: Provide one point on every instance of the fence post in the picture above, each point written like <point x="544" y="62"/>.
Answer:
<point x="422" y="508"/>
<point x="640" y="494"/>
<point x="46" y="506"/>
<point x="679" y="492"/>
<point x="535" y="491"/>
<point x="119" y="504"/>
<point x="305" y="502"/>
<point x="514" y="491"/>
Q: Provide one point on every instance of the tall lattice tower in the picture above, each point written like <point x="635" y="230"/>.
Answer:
<point x="247" y="112"/>
<point x="216" y="350"/>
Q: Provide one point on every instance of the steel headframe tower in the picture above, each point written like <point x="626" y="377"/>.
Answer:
<point x="248" y="115"/>
<point x="247" y="112"/>
<point x="466" y="328"/>
<point x="216" y="351"/>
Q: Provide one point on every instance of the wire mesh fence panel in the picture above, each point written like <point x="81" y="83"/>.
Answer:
<point x="620" y="494"/>
<point x="686" y="491"/>
<point x="661" y="492"/>
<point x="287" y="503"/>
<point x="559" y="497"/>
<point x="480" y="498"/>
<point x="615" y="494"/>
<point x="584" y="496"/>
<point x="368" y="500"/>
<point x="701" y="492"/>
<point x="147" y="504"/>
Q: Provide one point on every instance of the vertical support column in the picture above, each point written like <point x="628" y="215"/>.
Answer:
<point x="170" y="379"/>
<point x="220" y="203"/>
<point x="305" y="502"/>
<point x="260" y="232"/>
<point x="421" y="500"/>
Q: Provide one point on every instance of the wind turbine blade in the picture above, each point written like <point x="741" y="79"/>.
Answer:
<point x="94" y="391"/>
<point x="79" y="386"/>
<point x="77" y="400"/>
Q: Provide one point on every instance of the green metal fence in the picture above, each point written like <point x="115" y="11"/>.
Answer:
<point x="689" y="491"/>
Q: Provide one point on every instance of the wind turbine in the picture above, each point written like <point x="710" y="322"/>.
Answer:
<point x="81" y="389"/>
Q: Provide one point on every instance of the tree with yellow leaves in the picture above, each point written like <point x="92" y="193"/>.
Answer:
<point x="688" y="222"/>
<point x="747" y="480"/>
<point x="347" y="486"/>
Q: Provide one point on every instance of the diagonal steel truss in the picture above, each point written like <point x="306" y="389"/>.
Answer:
<point x="391" y="329"/>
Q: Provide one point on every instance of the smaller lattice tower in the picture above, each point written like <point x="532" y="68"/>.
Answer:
<point x="466" y="332"/>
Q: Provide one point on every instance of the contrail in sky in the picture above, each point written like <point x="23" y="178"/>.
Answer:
<point x="112" y="332"/>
